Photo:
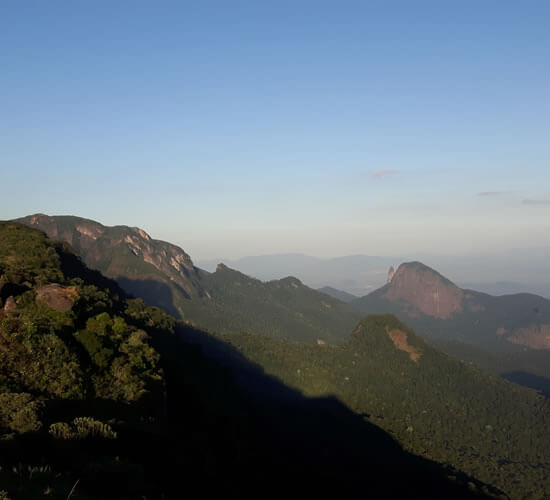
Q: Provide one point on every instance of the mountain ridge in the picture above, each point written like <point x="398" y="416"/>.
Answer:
<point x="225" y="300"/>
<point x="102" y="397"/>
<point x="435" y="306"/>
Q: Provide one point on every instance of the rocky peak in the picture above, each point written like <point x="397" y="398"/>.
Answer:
<point x="391" y="272"/>
<point x="141" y="232"/>
<point x="424" y="290"/>
<point x="117" y="250"/>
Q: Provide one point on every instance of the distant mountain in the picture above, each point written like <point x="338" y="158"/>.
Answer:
<point x="508" y="287"/>
<point x="338" y="294"/>
<point x="438" y="308"/>
<point x="514" y="271"/>
<point x="224" y="301"/>
<point x="355" y="274"/>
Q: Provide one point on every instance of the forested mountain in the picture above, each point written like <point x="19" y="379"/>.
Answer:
<point x="224" y="301"/>
<point x="355" y="274"/>
<point x="434" y="405"/>
<point x="439" y="309"/>
<point x="500" y="273"/>
<point x="78" y="373"/>
<point x="103" y="397"/>
<point x="530" y="368"/>
<point x="282" y="308"/>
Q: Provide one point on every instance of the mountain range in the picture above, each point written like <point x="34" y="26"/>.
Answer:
<point x="223" y="301"/>
<point x="513" y="271"/>
<point x="227" y="300"/>
<point x="104" y="397"/>
<point x="105" y="390"/>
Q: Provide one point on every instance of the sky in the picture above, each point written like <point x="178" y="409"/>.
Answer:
<point x="239" y="128"/>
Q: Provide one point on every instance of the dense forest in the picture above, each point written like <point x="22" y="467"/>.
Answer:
<point x="104" y="397"/>
<point x="283" y="308"/>
<point x="530" y="368"/>
<point x="432" y="404"/>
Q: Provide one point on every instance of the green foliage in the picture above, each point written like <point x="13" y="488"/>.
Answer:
<point x="152" y="317"/>
<point x="27" y="255"/>
<point x="435" y="406"/>
<point x="282" y="309"/>
<point x="20" y="413"/>
<point x="39" y="363"/>
<point x="95" y="358"/>
<point x="93" y="343"/>
<point x="92" y="301"/>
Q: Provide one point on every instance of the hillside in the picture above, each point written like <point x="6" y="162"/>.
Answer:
<point x="283" y="308"/>
<point x="102" y="399"/>
<point x="438" y="308"/>
<point x="338" y="294"/>
<point x="78" y="372"/>
<point x="530" y="368"/>
<point x="223" y="301"/>
<point x="433" y="405"/>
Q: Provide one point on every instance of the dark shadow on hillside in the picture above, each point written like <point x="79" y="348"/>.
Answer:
<point x="243" y="432"/>
<point x="72" y="267"/>
<point x="228" y="429"/>
<point x="153" y="292"/>
<point x="540" y="384"/>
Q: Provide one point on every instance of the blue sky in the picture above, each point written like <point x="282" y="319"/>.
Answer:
<point x="242" y="127"/>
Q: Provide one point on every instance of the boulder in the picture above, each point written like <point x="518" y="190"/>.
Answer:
<point x="58" y="297"/>
<point x="10" y="304"/>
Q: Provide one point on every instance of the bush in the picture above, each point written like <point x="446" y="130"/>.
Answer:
<point x="19" y="412"/>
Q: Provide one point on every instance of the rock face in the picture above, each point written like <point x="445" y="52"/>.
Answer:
<point x="435" y="306"/>
<point x="534" y="336"/>
<point x="391" y="272"/>
<point x="122" y="251"/>
<point x="57" y="297"/>
<point x="400" y="340"/>
<point x="424" y="290"/>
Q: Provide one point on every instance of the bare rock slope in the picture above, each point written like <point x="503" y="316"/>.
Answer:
<point x="438" y="308"/>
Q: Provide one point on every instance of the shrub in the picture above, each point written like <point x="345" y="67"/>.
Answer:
<point x="19" y="412"/>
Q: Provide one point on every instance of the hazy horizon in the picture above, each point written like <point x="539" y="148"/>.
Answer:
<point x="245" y="128"/>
